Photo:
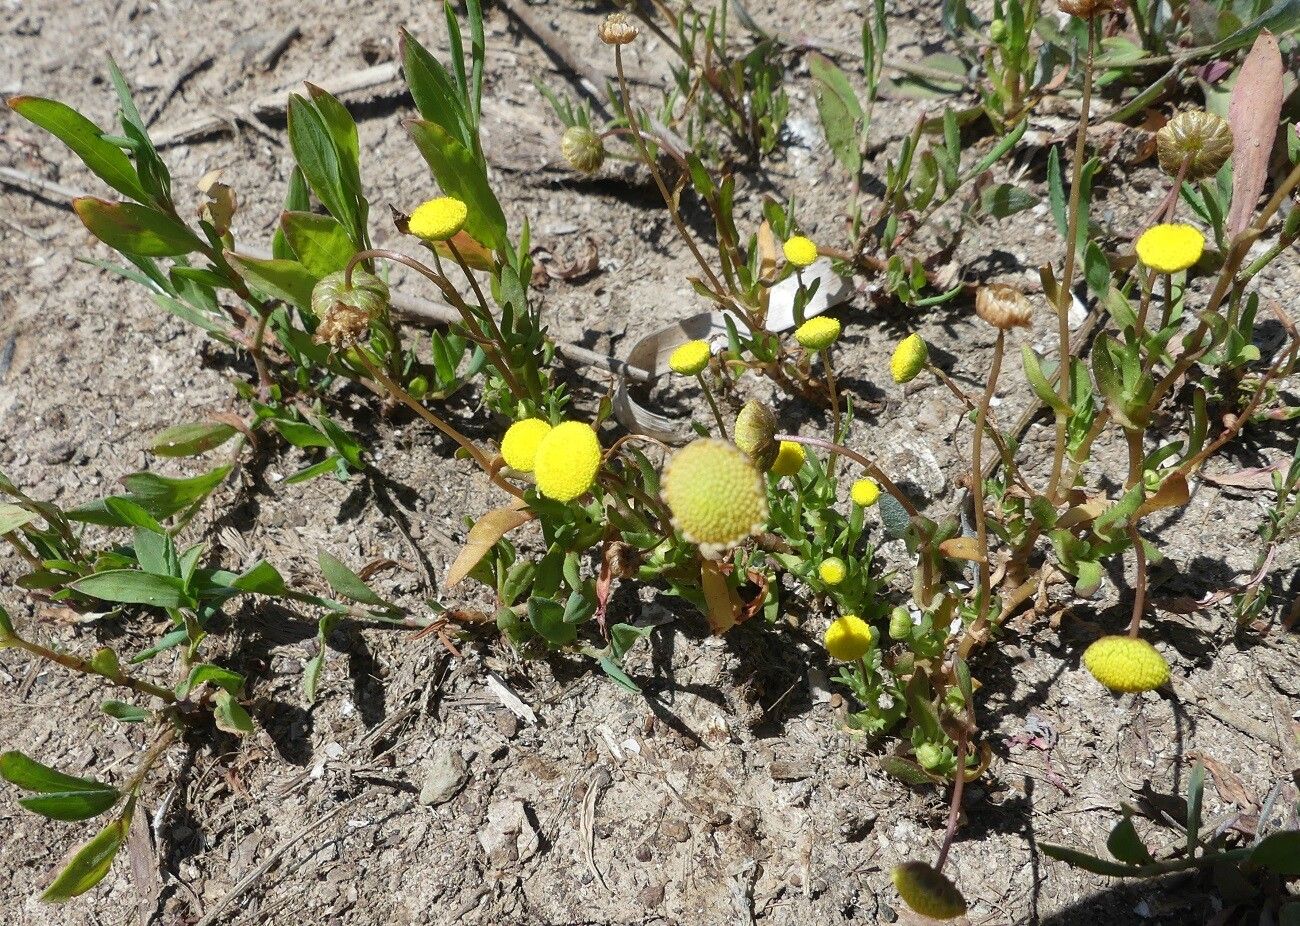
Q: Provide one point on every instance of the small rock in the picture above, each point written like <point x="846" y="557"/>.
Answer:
<point x="509" y="836"/>
<point x="652" y="895"/>
<point x="676" y="830"/>
<point x="789" y="770"/>
<point x="444" y="778"/>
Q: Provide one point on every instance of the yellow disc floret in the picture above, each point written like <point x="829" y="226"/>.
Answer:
<point x="928" y="892"/>
<point x="909" y="358"/>
<point x="567" y="460"/>
<point x="690" y="359"/>
<point x="865" y="493"/>
<point x="715" y="493"/>
<point x="438" y="219"/>
<point x="832" y="570"/>
<point x="800" y="251"/>
<point x="818" y="333"/>
<point x="1126" y="664"/>
<point x="1170" y="247"/>
<point x="519" y="446"/>
<point x="848" y="638"/>
<point x="789" y="459"/>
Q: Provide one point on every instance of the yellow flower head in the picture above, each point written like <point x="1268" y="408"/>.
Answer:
<point x="567" y="460"/>
<point x="848" y="638"/>
<point x="832" y="570"/>
<point x="715" y="493"/>
<point x="909" y="358"/>
<point x="1170" y="247"/>
<point x="691" y="358"/>
<point x="1126" y="664"/>
<point x="818" y="333"/>
<point x="800" y="251"/>
<point x="928" y="892"/>
<point x="789" y="458"/>
<point x="438" y="219"/>
<point x="865" y="493"/>
<point x="519" y="446"/>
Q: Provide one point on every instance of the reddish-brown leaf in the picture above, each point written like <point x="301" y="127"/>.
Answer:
<point x="1253" y="115"/>
<point x="486" y="531"/>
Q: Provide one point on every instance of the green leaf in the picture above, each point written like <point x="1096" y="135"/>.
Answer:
<point x="1125" y="844"/>
<point x="1003" y="199"/>
<point x="230" y="716"/>
<point x="906" y="771"/>
<point x="347" y="583"/>
<point x="207" y="673"/>
<point x="1279" y="852"/>
<point x="129" y="514"/>
<point x="841" y="113"/>
<point x="1195" y="801"/>
<point x="1087" y="862"/>
<point x="131" y="586"/>
<point x="72" y="805"/>
<point x="125" y="712"/>
<point x="1117" y="515"/>
<point x="547" y="617"/>
<point x="13" y="517"/>
<point x="319" y="241"/>
<point x="323" y="167"/>
<point x="90" y="863"/>
<point x="105" y="159"/>
<point x="311" y="673"/>
<point x="6" y="628"/>
<point x="297" y="198"/>
<point x="286" y="280"/>
<point x="893" y="516"/>
<point x="30" y="775"/>
<point x="136" y="231"/>
<point x="187" y="440"/>
<point x="261" y="579"/>
<point x="1279" y="18"/>
<point x="462" y="175"/>
<point x="1039" y="382"/>
<point x="615" y="671"/>
<point x="434" y="90"/>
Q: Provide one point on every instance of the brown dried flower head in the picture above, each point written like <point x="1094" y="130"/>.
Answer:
<point x="1084" y="9"/>
<point x="345" y="311"/>
<point x="1003" y="306"/>
<point x="1200" y="138"/>
<point x="582" y="149"/>
<point x="342" y="326"/>
<point x="622" y="559"/>
<point x="617" y="29"/>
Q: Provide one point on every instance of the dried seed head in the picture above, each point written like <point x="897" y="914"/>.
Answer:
<point x="1202" y="139"/>
<point x="582" y="149"/>
<point x="617" y="30"/>
<point x="345" y="312"/>
<point x="1084" y="9"/>
<point x="623" y="559"/>
<point x="755" y="433"/>
<point x="1003" y="307"/>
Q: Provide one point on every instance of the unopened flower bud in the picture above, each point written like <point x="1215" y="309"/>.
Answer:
<point x="755" y="433"/>
<point x="1201" y="139"/>
<point x="617" y="30"/>
<point x="1004" y="307"/>
<point x="900" y="624"/>
<point x="927" y="891"/>
<point x="582" y="149"/>
<point x="345" y="311"/>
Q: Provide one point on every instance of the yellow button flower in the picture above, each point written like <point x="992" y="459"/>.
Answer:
<point x="715" y="493"/>
<point x="848" y="638"/>
<point x="865" y="493"/>
<point x="690" y="359"/>
<point x="800" y="251"/>
<point x="832" y="570"/>
<point x="567" y="460"/>
<point x="909" y="358"/>
<point x="1170" y="247"/>
<point x="519" y="446"/>
<point x="928" y="892"/>
<point x="818" y="333"/>
<point x="1126" y="664"/>
<point x="438" y="219"/>
<point x="789" y="458"/>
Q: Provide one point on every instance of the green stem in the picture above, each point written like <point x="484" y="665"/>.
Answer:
<point x="77" y="664"/>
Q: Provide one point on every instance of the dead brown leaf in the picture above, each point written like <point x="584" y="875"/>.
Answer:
<point x="1253" y="115"/>
<point x="486" y="531"/>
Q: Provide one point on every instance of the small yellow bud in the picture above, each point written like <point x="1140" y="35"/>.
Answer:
<point x="567" y="460"/>
<point x="1170" y="247"/>
<point x="438" y="219"/>
<point x="800" y="251"/>
<point x="849" y="638"/>
<point x="817" y="334"/>
<point x="1127" y="664"/>
<point x="928" y="892"/>
<point x="832" y="570"/>
<point x="789" y="459"/>
<point x="909" y="358"/>
<point x="690" y="359"/>
<point x="519" y="446"/>
<point x="716" y="495"/>
<point x="865" y="493"/>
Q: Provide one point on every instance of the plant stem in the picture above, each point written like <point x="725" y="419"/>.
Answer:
<point x="77" y="664"/>
<point x="1139" y="583"/>
<point x="954" y="808"/>
<point x="977" y="477"/>
<point x="866" y="463"/>
<point x="1063" y="292"/>
<point x="717" y="415"/>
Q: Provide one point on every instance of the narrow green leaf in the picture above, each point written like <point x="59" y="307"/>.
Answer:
<point x="1038" y="381"/>
<point x="462" y="175"/>
<point x="187" y="440"/>
<point x="841" y="113"/>
<point x="135" y="230"/>
<point x="13" y="517"/>
<point x="286" y="280"/>
<point x="131" y="586"/>
<point x="345" y="582"/>
<point x="1003" y="199"/>
<point x="207" y="673"/>
<point x="1125" y="844"/>
<point x="230" y="716"/>
<point x="104" y="159"/>
<point x="125" y="712"/>
<point x="1087" y="862"/>
<point x="434" y="90"/>
<point x="30" y="775"/>
<point x="90" y="863"/>
<point x="262" y="579"/>
<point x="72" y="805"/>
<point x="316" y="154"/>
